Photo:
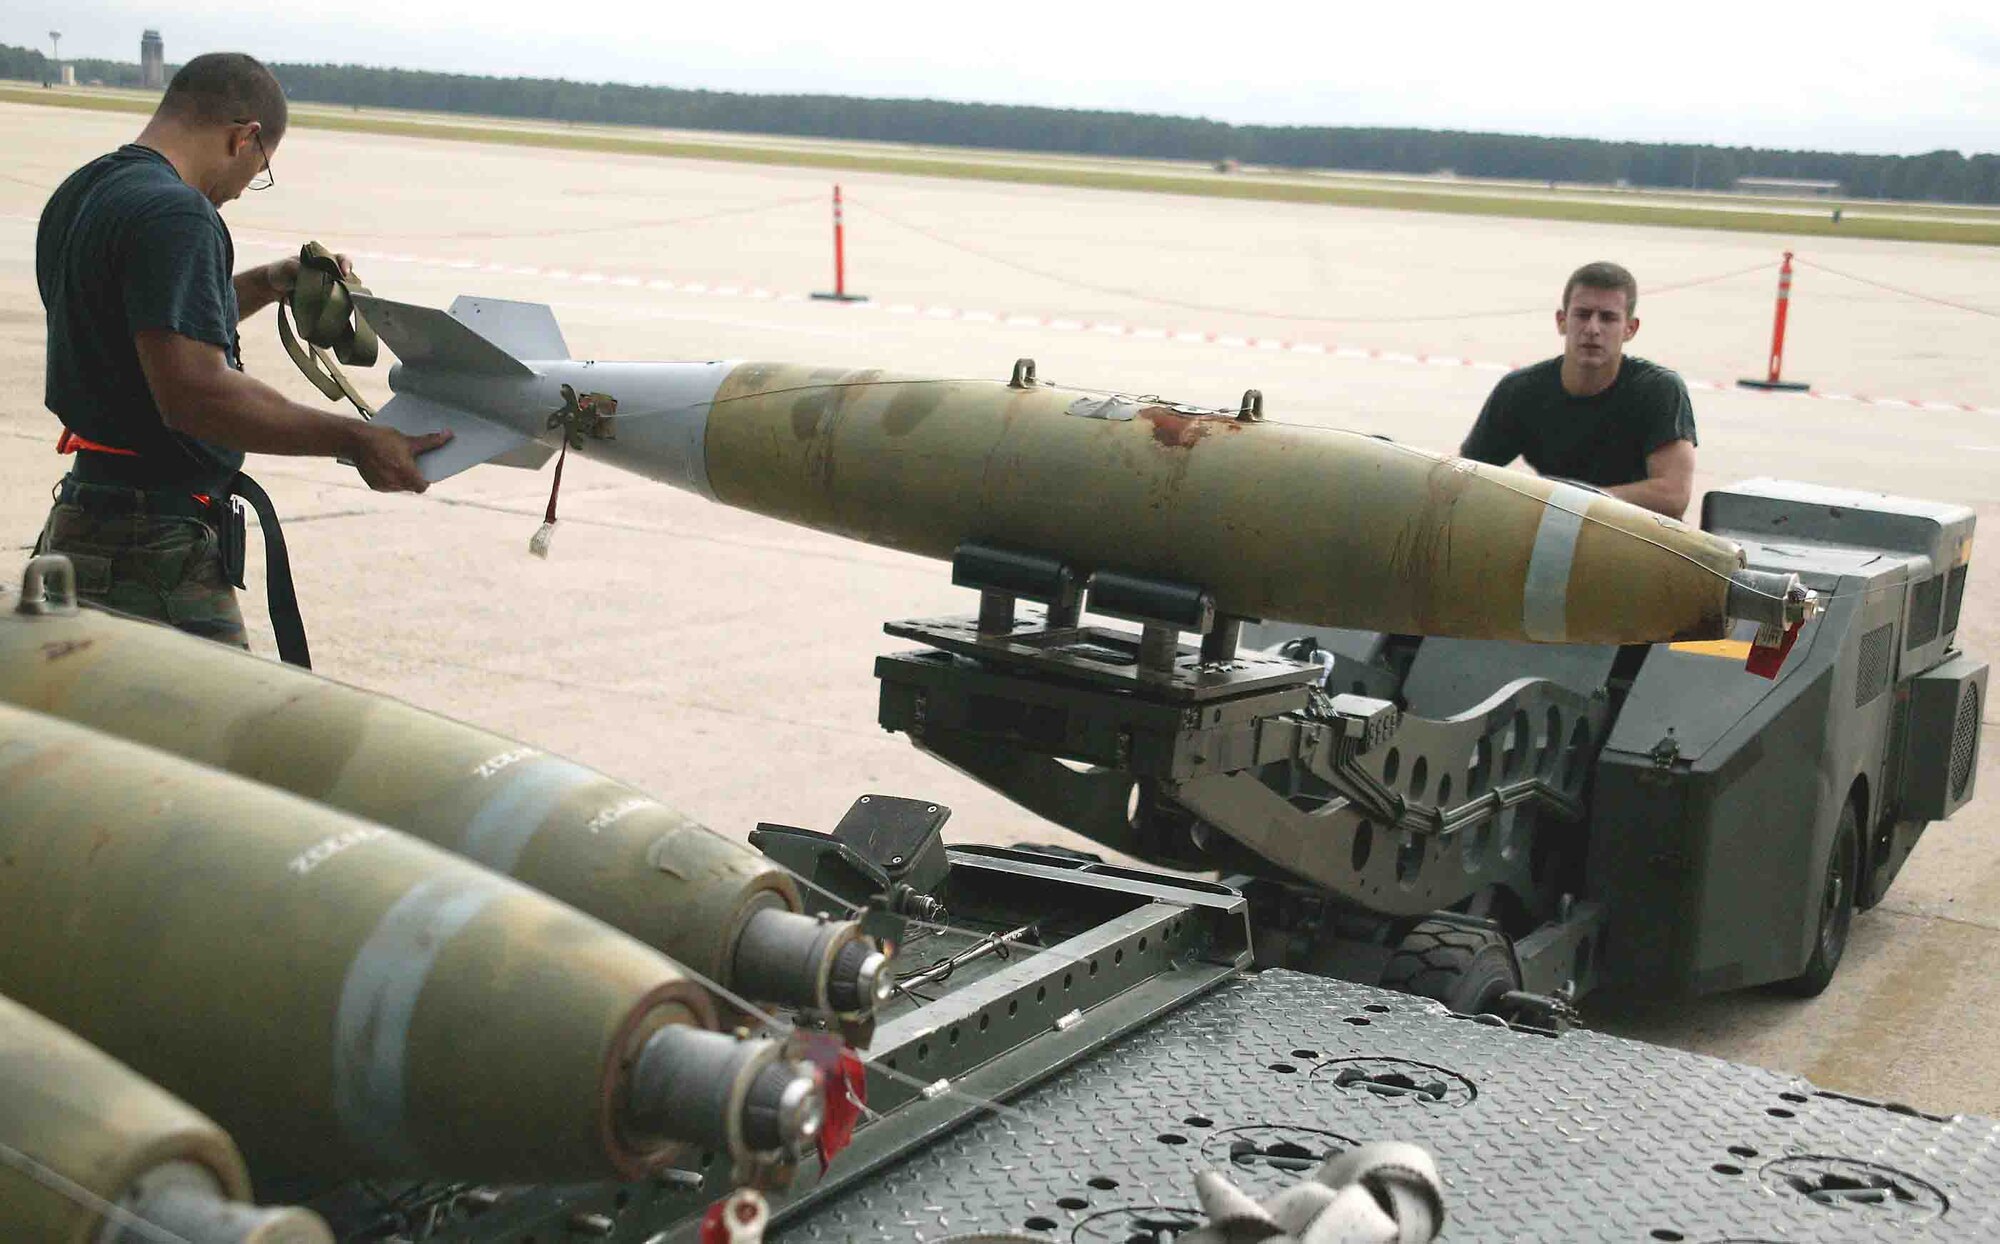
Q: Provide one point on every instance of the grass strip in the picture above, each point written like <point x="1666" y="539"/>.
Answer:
<point x="1855" y="224"/>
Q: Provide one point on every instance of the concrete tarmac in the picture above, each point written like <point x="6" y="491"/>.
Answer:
<point x="722" y="661"/>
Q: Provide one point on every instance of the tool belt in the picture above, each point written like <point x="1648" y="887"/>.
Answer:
<point x="101" y="482"/>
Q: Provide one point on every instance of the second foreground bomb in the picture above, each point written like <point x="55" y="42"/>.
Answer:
<point x="1275" y="521"/>
<point x="92" y="1123"/>
<point x="717" y="906"/>
<point x="346" y="999"/>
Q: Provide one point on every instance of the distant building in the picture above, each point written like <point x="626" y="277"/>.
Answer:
<point x="1797" y="187"/>
<point x="152" y="60"/>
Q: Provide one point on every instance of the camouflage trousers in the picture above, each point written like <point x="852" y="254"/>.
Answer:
<point x="163" y="567"/>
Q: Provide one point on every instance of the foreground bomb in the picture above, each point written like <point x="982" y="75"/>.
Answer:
<point x="1276" y="521"/>
<point x="345" y="999"/>
<point x="719" y="907"/>
<point x="81" y="1131"/>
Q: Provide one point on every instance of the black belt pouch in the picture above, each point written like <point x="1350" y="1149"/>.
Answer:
<point x="229" y="529"/>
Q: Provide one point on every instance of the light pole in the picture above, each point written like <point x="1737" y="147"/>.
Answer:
<point x="55" y="46"/>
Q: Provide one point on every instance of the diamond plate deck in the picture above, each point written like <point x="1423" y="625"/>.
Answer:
<point x="1578" y="1137"/>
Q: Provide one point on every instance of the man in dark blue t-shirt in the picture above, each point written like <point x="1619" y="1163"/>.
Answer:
<point x="1595" y="415"/>
<point x="136" y="273"/>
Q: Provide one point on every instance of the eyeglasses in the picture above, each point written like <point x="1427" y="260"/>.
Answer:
<point x="264" y="180"/>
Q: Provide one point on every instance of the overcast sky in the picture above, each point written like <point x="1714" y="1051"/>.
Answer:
<point x="1909" y="76"/>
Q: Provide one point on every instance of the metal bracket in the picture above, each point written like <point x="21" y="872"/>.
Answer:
<point x="585" y="416"/>
<point x="1163" y="608"/>
<point x="901" y="837"/>
<point x="1550" y="1013"/>
<point x="1024" y="374"/>
<point x="887" y="853"/>
<point x="1665" y="752"/>
<point x="1002" y="575"/>
<point x="1219" y="645"/>
<point x="47" y="569"/>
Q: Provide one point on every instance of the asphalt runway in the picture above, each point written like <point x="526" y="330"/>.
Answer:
<point x="722" y="661"/>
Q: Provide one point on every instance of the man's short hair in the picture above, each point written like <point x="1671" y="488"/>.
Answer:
<point x="1604" y="276"/>
<point x="219" y="88"/>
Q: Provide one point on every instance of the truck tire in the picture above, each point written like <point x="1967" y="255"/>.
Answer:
<point x="1467" y="969"/>
<point x="1836" y="910"/>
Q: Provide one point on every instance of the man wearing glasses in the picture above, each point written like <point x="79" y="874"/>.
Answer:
<point x="145" y="368"/>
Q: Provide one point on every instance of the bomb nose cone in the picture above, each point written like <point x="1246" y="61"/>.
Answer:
<point x="181" y="1201"/>
<point x="739" y="1094"/>
<point x="785" y="1109"/>
<point x="809" y="962"/>
<point x="859" y="980"/>
<point x="873" y="981"/>
<point x="1770" y="598"/>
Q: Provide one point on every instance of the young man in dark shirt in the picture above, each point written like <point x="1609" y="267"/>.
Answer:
<point x="1595" y="415"/>
<point x="144" y="367"/>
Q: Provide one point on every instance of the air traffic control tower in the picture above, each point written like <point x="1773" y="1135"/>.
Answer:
<point x="152" y="61"/>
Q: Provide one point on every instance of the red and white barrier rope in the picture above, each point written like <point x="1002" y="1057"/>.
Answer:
<point x="1136" y="332"/>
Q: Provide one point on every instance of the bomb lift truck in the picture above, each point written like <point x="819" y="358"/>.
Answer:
<point x="1463" y="819"/>
<point x="1495" y="828"/>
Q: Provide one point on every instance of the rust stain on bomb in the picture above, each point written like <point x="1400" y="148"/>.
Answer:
<point x="1174" y="430"/>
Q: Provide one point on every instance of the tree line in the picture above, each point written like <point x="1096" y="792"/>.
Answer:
<point x="28" y="65"/>
<point x="1938" y="176"/>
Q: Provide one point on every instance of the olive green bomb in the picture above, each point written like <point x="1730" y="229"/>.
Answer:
<point x="1272" y="519"/>
<point x="340" y="996"/>
<point x="598" y="845"/>
<point x="91" y="1151"/>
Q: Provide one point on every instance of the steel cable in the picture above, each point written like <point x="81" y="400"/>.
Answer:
<point x="1047" y="384"/>
<point x="1895" y="289"/>
<point x="588" y="230"/>
<point x="1220" y="308"/>
<point x="64" y="1186"/>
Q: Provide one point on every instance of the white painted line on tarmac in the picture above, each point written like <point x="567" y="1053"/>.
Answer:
<point x="1184" y="336"/>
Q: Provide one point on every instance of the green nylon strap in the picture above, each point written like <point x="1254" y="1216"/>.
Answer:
<point x="330" y="325"/>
